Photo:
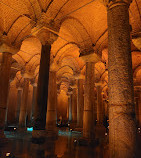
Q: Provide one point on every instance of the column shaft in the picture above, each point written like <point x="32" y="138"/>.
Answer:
<point x="52" y="103"/>
<point x="122" y="129"/>
<point x="4" y="84"/>
<point x="100" y="108"/>
<point x="19" y="98"/>
<point x="33" y="101"/>
<point x="70" y="108"/>
<point x="89" y="105"/>
<point x="23" y="108"/>
<point x="80" y="103"/>
<point x="74" y="106"/>
<point x="42" y="89"/>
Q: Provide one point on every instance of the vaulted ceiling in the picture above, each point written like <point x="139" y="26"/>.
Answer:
<point x="80" y="26"/>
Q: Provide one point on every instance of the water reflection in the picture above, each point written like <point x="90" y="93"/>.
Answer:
<point x="65" y="146"/>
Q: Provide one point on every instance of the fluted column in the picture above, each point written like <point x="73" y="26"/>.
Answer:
<point x="4" y="86"/>
<point x="42" y="95"/>
<point x="80" y="103"/>
<point x="122" y="124"/>
<point x="23" y="108"/>
<point x="52" y="105"/>
<point x="89" y="104"/>
<point x="74" y="105"/>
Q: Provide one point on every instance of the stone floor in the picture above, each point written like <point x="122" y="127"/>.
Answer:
<point x="66" y="146"/>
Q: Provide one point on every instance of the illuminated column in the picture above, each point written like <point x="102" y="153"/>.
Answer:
<point x="100" y="108"/>
<point x="19" y="98"/>
<point x="42" y="95"/>
<point x="74" y="105"/>
<point x="33" y="100"/>
<point x="89" y="105"/>
<point x="139" y="106"/>
<point x="70" y="106"/>
<point x="4" y="86"/>
<point x="122" y="125"/>
<point x="23" y="108"/>
<point x="80" y="103"/>
<point x="52" y="105"/>
<point x="136" y="99"/>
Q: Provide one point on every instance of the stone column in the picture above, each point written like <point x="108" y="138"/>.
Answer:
<point x="23" y="108"/>
<point x="52" y="105"/>
<point x="88" y="114"/>
<point x="122" y="124"/>
<point x="33" y="100"/>
<point x="80" y="103"/>
<point x="40" y="109"/>
<point x="139" y="107"/>
<point x="74" y="105"/>
<point x="100" y="108"/>
<point x="4" y="86"/>
<point x="70" y="108"/>
<point x="19" y="98"/>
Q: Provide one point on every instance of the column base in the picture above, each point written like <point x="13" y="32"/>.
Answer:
<point x="39" y="136"/>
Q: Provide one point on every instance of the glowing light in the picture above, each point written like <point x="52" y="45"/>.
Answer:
<point x="106" y="134"/>
<point x="14" y="128"/>
<point x="30" y="129"/>
<point x="7" y="154"/>
<point x="75" y="140"/>
<point x="68" y="124"/>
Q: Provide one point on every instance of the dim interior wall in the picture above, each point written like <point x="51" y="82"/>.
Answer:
<point x="12" y="105"/>
<point x="62" y="103"/>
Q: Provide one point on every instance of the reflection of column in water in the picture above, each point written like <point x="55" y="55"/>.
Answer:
<point x="37" y="150"/>
<point x="50" y="152"/>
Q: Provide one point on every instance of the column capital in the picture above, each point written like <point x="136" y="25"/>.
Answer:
<point x="112" y="3"/>
<point x="89" y="55"/>
<point x="54" y="67"/>
<point x="5" y="48"/>
<point x="78" y="76"/>
<point x="44" y="34"/>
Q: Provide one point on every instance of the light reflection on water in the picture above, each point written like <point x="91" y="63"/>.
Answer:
<point x="20" y="146"/>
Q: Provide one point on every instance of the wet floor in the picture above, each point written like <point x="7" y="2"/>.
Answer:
<point x="66" y="146"/>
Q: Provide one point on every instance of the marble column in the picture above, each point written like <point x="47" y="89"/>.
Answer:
<point x="23" y="108"/>
<point x="89" y="104"/>
<point x="74" y="105"/>
<point x="52" y="105"/>
<point x="122" y="124"/>
<point x="4" y="86"/>
<point x="100" y="108"/>
<point x="19" y="98"/>
<point x="40" y="109"/>
<point x="80" y="103"/>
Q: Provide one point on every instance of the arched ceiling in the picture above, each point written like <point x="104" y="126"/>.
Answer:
<point x="81" y="27"/>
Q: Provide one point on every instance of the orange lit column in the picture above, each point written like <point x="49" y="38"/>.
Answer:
<point x="122" y="124"/>
<point x="70" y="106"/>
<point x="33" y="100"/>
<point x="4" y="86"/>
<point x="52" y="105"/>
<point x="88" y="114"/>
<point x="42" y="95"/>
<point x="139" y="106"/>
<point x="80" y="103"/>
<point x="100" y="108"/>
<point x="23" y="108"/>
<point x="74" y="105"/>
<point x="19" y="98"/>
